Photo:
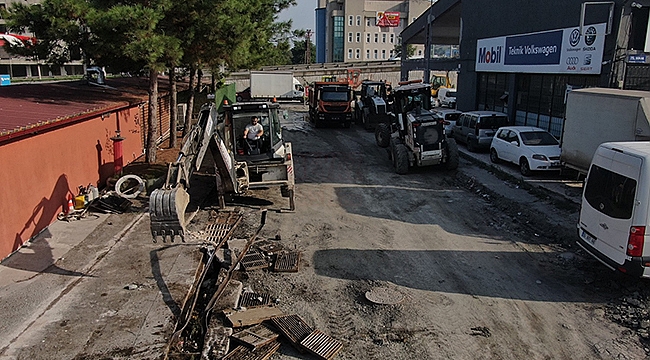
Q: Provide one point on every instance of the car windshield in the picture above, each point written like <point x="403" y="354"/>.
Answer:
<point x="538" y="138"/>
<point x="334" y="96"/>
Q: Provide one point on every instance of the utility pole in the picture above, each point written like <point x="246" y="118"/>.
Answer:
<point x="308" y="46"/>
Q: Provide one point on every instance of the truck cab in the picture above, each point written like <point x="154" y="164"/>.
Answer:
<point x="331" y="103"/>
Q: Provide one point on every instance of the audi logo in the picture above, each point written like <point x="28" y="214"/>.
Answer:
<point x="572" y="60"/>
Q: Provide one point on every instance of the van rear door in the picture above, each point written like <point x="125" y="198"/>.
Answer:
<point x="608" y="202"/>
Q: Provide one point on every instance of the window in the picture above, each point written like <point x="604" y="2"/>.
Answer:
<point x="383" y="38"/>
<point x="358" y="37"/>
<point x="376" y="37"/>
<point x="368" y="37"/>
<point x="375" y="53"/>
<point x="610" y="193"/>
<point x="368" y="21"/>
<point x="358" y="20"/>
<point x="349" y="37"/>
<point x="392" y="38"/>
<point x="419" y="52"/>
<point x="349" y="53"/>
<point x="383" y="54"/>
<point x="367" y="53"/>
<point x="338" y="37"/>
<point x="357" y="54"/>
<point x="350" y="20"/>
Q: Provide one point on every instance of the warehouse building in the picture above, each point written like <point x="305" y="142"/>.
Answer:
<point x="524" y="65"/>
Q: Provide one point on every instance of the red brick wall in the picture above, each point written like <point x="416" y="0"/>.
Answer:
<point x="39" y="172"/>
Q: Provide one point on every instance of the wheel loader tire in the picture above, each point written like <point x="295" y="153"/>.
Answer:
<point x="382" y="135"/>
<point x="452" y="155"/>
<point x="401" y="159"/>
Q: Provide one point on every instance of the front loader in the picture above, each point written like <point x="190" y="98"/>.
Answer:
<point x="239" y="163"/>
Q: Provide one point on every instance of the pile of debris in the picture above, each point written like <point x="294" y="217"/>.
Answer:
<point x="223" y="320"/>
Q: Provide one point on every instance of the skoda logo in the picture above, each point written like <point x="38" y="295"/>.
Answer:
<point x="590" y="35"/>
<point x="574" y="38"/>
<point x="572" y="60"/>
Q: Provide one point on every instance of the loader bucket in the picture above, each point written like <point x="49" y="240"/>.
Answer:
<point x="167" y="212"/>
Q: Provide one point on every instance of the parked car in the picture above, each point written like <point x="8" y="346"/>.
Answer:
<point x="450" y="116"/>
<point x="244" y="95"/>
<point x="476" y="128"/>
<point x="447" y="97"/>
<point x="529" y="147"/>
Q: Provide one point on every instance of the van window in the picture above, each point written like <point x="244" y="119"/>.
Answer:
<point x="493" y="122"/>
<point x="610" y="193"/>
<point x="472" y="122"/>
<point x="452" y="116"/>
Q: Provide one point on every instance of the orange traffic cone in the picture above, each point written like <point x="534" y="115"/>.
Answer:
<point x="70" y="204"/>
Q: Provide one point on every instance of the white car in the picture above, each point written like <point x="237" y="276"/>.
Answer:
<point x="529" y="147"/>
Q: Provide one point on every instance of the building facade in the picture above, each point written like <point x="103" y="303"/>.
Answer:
<point x="526" y="64"/>
<point x="353" y="30"/>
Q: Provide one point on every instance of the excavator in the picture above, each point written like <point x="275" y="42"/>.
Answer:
<point x="241" y="164"/>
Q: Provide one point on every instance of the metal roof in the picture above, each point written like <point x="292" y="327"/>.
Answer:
<point x="29" y="107"/>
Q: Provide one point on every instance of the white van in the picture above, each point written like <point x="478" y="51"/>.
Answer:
<point x="615" y="207"/>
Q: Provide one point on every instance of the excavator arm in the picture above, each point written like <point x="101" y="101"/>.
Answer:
<point x="167" y="205"/>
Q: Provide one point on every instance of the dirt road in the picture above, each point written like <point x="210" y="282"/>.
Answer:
<point x="477" y="272"/>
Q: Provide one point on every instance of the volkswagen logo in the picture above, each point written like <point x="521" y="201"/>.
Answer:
<point x="572" y="60"/>
<point x="574" y="38"/>
<point x="590" y="35"/>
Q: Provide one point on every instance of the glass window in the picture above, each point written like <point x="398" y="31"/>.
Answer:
<point x="538" y="138"/>
<point x="503" y="134"/>
<point x="368" y="37"/>
<point x="358" y="37"/>
<point x="610" y="193"/>
<point x="357" y="54"/>
<point x="350" y="37"/>
<point x="392" y="38"/>
<point x="338" y="39"/>
<point x="334" y="96"/>
<point x="493" y="122"/>
<point x="350" y="20"/>
<point x="375" y="53"/>
<point x="358" y="20"/>
<point x="383" y="53"/>
<point x="376" y="37"/>
<point x="349" y="53"/>
<point x="472" y="122"/>
<point x="367" y="53"/>
<point x="383" y="38"/>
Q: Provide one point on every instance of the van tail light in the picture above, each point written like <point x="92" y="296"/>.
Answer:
<point x="635" y="241"/>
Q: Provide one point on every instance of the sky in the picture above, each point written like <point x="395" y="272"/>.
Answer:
<point x="303" y="14"/>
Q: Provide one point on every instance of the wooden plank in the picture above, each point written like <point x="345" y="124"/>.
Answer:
<point x="252" y="316"/>
<point x="262" y="353"/>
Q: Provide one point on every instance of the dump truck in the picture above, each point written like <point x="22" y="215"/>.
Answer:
<point x="598" y="115"/>
<point x="241" y="163"/>
<point x="331" y="103"/>
<point x="265" y="85"/>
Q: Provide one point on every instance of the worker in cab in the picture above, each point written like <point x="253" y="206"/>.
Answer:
<point x="253" y="134"/>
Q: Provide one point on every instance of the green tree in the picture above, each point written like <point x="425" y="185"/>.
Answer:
<point x="410" y="49"/>
<point x="298" y="52"/>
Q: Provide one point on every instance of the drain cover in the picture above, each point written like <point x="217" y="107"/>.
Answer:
<point x="384" y="296"/>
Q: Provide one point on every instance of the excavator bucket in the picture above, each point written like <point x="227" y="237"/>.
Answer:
<point x="167" y="212"/>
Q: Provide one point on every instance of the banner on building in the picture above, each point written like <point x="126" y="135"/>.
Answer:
<point x="388" y="18"/>
<point x="561" y="51"/>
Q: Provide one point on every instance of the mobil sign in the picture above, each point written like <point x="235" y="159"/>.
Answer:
<point x="559" y="51"/>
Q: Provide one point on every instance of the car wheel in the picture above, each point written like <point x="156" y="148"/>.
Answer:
<point x="382" y="135"/>
<point x="524" y="168"/>
<point x="470" y="145"/>
<point x="494" y="157"/>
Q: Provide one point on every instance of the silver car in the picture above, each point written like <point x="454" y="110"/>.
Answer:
<point x="476" y="128"/>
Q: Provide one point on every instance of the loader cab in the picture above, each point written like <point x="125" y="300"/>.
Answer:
<point x="411" y="96"/>
<point x="270" y="145"/>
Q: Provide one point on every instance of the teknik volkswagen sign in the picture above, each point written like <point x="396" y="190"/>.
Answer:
<point x="559" y="51"/>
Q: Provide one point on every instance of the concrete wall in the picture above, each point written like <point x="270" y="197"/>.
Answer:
<point x="38" y="172"/>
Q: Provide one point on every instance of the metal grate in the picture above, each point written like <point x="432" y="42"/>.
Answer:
<point x="321" y="345"/>
<point x="256" y="336"/>
<point x="287" y="262"/>
<point x="293" y="327"/>
<point x="254" y="260"/>
<point x="218" y="230"/>
<point x="262" y="353"/>
<point x="251" y="299"/>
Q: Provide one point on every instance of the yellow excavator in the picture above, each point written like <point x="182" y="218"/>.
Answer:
<point x="240" y="163"/>
<point x="438" y="81"/>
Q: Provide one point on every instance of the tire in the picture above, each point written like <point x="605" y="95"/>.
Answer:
<point x="524" y="168"/>
<point x="470" y="145"/>
<point x="452" y="155"/>
<point x="401" y="159"/>
<point x="494" y="157"/>
<point x="382" y="135"/>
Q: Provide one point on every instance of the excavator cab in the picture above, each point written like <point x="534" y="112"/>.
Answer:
<point x="270" y="145"/>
